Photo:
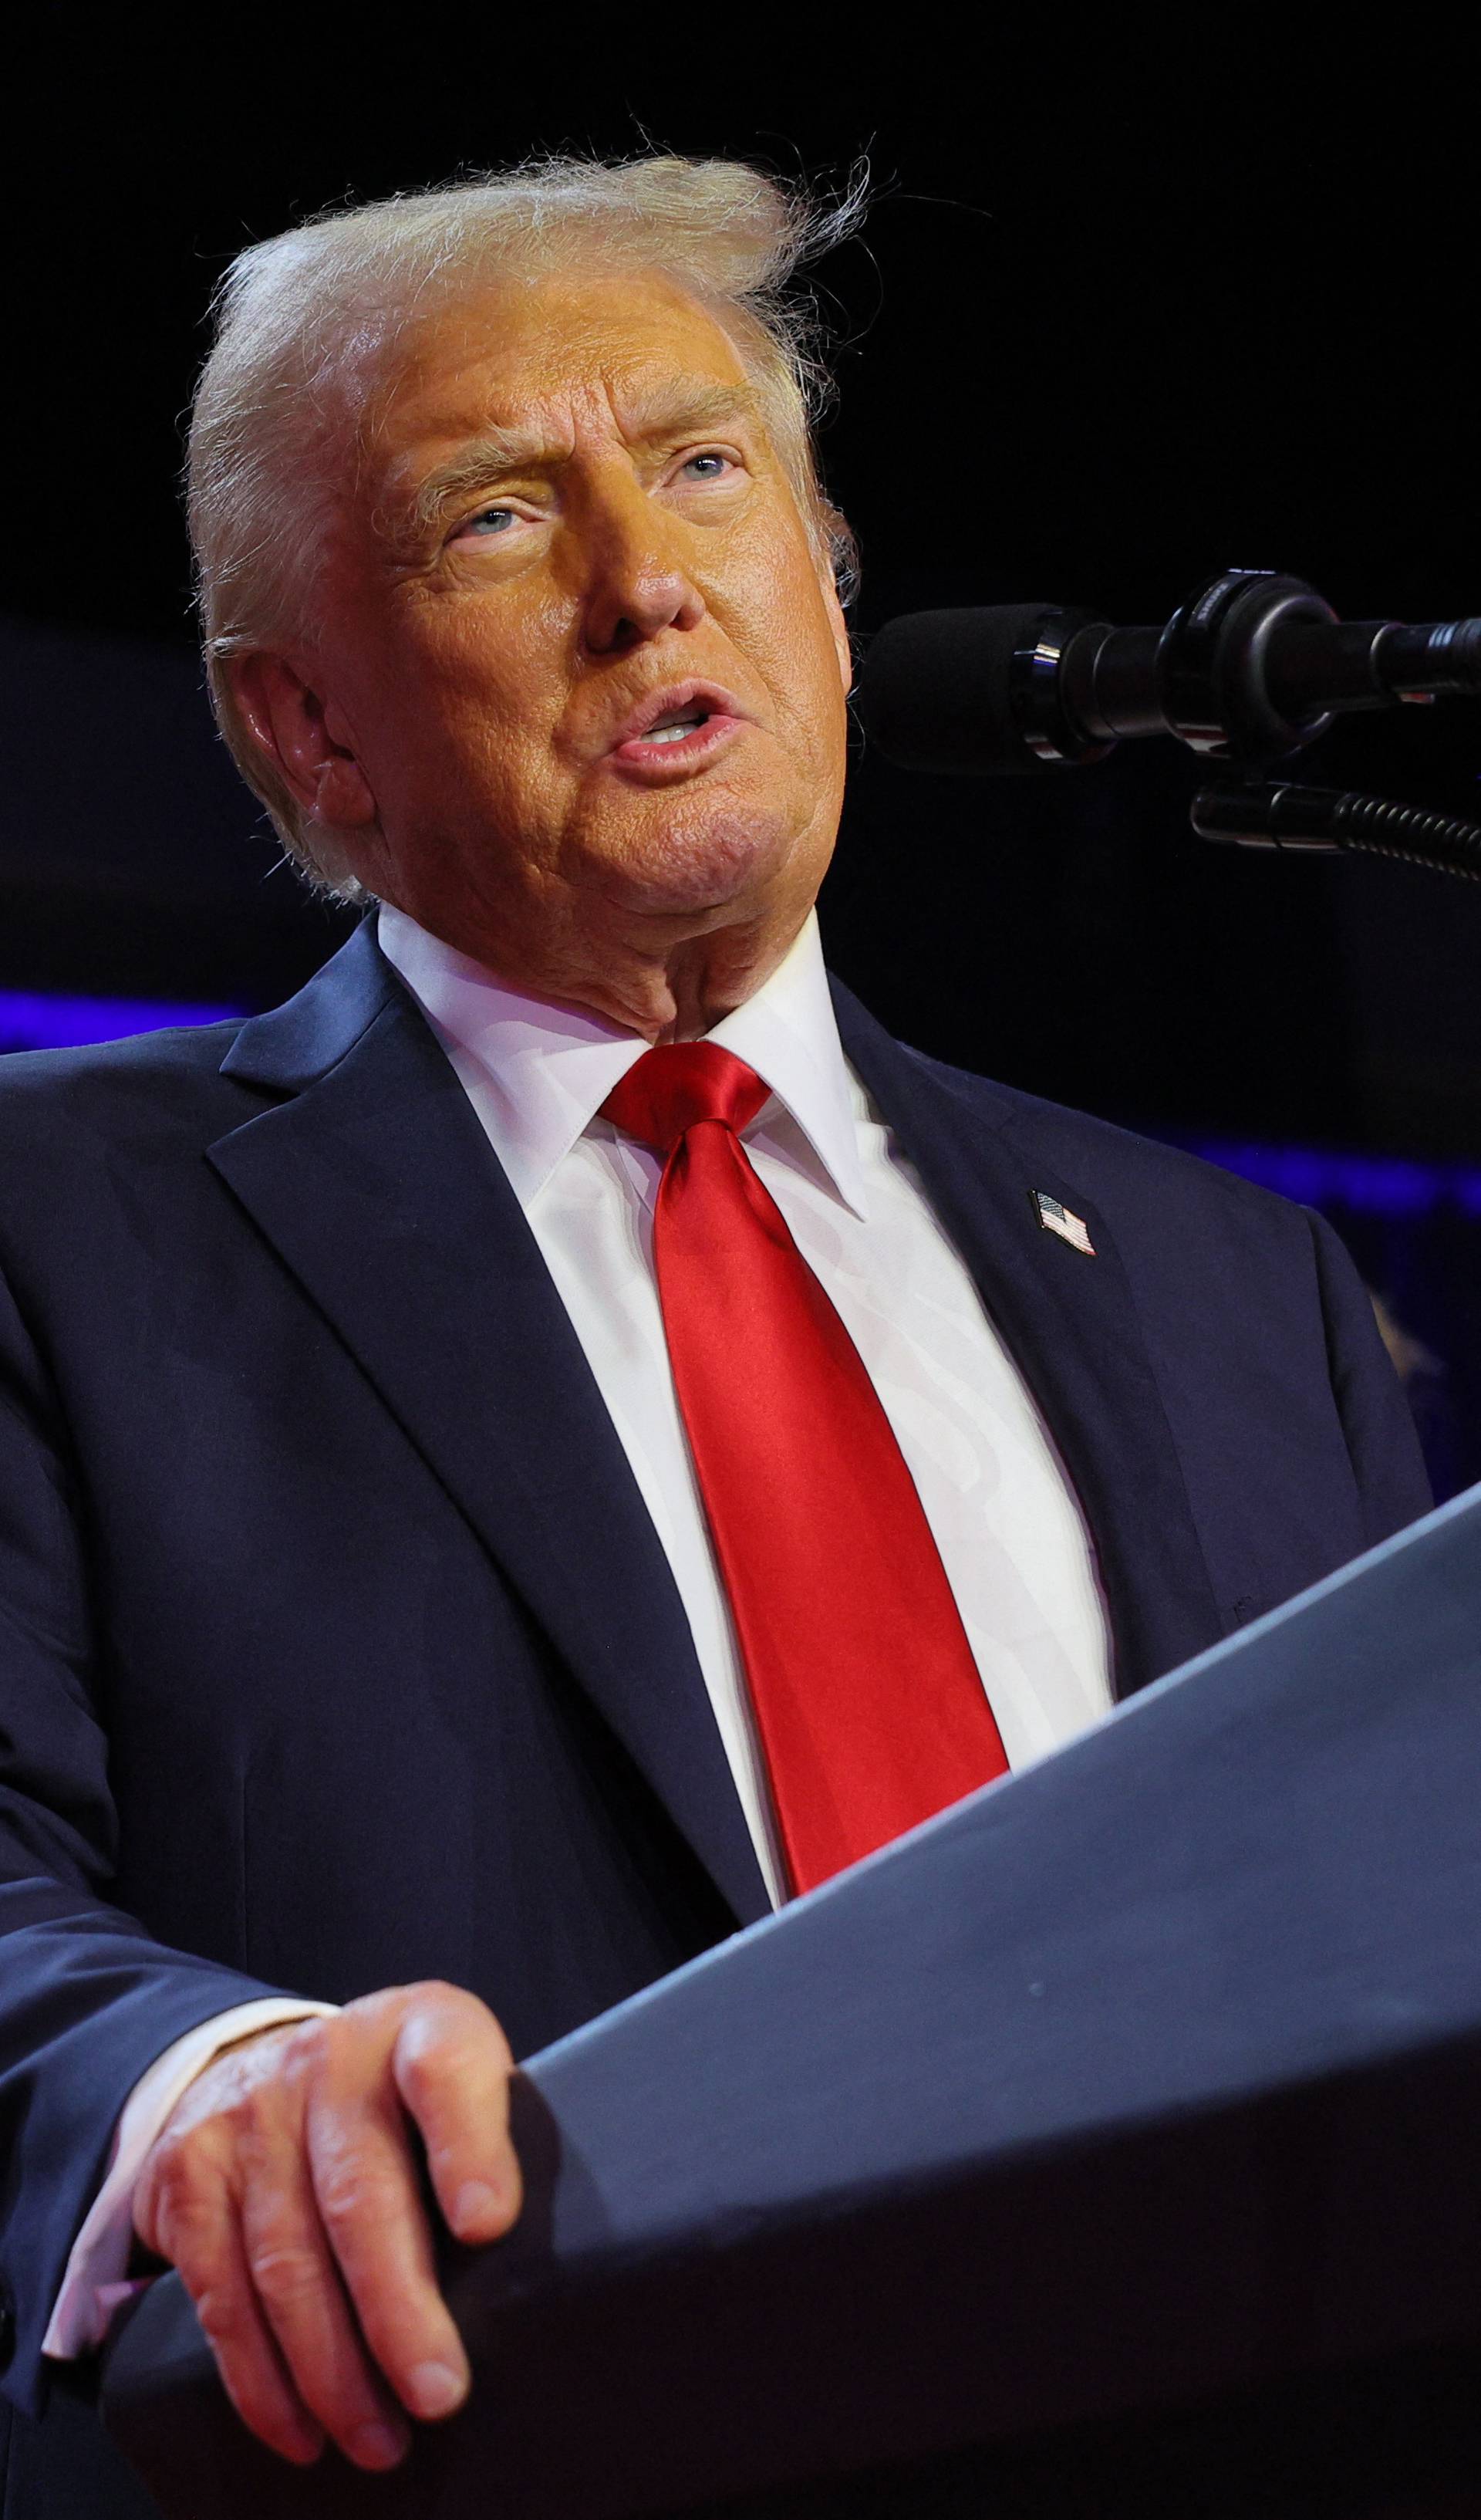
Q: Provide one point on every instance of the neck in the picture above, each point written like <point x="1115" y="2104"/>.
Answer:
<point x="663" y="988"/>
<point x="685" y="994"/>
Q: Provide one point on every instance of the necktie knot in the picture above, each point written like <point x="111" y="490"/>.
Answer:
<point x="670" y="1090"/>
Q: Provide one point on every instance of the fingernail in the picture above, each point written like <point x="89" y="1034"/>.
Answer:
<point x="376" y="2445"/>
<point x="475" y="2205"/>
<point x="435" y="2389"/>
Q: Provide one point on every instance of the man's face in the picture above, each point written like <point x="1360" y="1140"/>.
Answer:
<point x="573" y="524"/>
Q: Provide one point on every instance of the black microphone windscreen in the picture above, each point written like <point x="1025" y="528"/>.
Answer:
<point x="935" y="692"/>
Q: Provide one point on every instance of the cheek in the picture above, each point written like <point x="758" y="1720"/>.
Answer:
<point x="796" y="648"/>
<point x="477" y="698"/>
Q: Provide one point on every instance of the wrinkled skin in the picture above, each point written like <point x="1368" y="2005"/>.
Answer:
<point x="453" y="718"/>
<point x="450" y="720"/>
<point x="284" y="2188"/>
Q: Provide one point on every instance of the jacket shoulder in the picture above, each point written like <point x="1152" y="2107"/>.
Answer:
<point x="82" y="1128"/>
<point x="1117" y="1166"/>
<point x="171" y="1069"/>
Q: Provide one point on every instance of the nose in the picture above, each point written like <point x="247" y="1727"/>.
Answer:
<point x="638" y="585"/>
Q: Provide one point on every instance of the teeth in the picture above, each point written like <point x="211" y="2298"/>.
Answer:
<point x="673" y="730"/>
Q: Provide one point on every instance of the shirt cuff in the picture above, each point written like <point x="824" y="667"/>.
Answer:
<point x="94" y="2285"/>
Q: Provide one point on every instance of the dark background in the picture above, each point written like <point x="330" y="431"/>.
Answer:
<point x="1134" y="301"/>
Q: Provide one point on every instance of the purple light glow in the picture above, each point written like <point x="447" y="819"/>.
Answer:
<point x="1324" y="1177"/>
<point x="30" y="1021"/>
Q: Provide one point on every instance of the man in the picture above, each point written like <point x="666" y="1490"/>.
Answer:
<point x="564" y="1434"/>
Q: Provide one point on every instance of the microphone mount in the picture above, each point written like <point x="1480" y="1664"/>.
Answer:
<point x="1241" y="680"/>
<point x="1253" y="667"/>
<point x="1249" y="671"/>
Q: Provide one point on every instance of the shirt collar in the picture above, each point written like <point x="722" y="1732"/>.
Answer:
<point x="539" y="1072"/>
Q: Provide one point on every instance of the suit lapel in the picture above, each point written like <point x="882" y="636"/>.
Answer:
<point x="378" y="1188"/>
<point x="1071" y="1326"/>
<point x="374" y="1182"/>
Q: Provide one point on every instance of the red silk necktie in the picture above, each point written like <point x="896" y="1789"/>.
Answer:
<point x="868" y="1702"/>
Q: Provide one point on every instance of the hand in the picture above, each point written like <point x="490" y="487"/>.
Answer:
<point x="285" y="2187"/>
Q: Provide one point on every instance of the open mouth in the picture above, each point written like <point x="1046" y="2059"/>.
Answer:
<point x="673" y="728"/>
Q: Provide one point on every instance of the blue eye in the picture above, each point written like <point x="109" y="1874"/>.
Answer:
<point x="490" y="521"/>
<point x="719" y="462"/>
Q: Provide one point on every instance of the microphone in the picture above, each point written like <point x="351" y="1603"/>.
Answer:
<point x="1251" y="668"/>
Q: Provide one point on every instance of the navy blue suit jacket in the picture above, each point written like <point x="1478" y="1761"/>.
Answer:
<point x="337" y="1648"/>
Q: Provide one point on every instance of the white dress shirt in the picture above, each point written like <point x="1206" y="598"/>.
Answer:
<point x="1007" y="1522"/>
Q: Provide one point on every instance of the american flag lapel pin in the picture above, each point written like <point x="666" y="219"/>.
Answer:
<point x="1063" y="1221"/>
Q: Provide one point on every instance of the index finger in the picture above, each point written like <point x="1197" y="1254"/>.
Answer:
<point x="452" y="2065"/>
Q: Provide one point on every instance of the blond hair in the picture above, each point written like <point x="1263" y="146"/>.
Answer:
<point x="307" y="320"/>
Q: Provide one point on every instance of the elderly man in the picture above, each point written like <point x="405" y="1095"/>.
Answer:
<point x="564" y="1434"/>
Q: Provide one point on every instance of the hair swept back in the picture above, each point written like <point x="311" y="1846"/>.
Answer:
<point x="306" y="325"/>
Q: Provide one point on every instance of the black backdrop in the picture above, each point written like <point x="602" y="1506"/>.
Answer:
<point x="1137" y="298"/>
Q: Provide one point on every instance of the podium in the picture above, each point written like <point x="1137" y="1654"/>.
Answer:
<point x="1111" y="2145"/>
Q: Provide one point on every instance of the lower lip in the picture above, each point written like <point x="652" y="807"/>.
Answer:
<point x="659" y="761"/>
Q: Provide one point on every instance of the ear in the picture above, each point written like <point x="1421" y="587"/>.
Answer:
<point x="839" y="628"/>
<point x="305" y="738"/>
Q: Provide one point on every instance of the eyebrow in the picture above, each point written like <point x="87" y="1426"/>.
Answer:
<point x="496" y="452"/>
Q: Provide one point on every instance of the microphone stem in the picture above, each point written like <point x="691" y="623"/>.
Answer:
<point x="1271" y="815"/>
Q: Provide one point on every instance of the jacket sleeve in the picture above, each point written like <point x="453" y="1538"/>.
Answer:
<point x="88" y="1999"/>
<point x="1382" y="1445"/>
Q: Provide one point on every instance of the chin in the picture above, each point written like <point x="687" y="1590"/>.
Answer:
<point x="706" y="863"/>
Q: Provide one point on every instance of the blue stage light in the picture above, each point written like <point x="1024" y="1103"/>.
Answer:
<point x="1327" y="1176"/>
<point x="31" y="1020"/>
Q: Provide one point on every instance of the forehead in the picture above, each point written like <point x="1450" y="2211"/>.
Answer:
<point x="561" y="351"/>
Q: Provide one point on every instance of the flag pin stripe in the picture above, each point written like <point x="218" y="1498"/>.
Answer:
<point x="1058" y="1219"/>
